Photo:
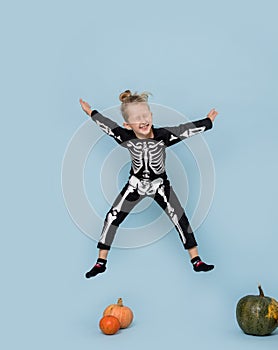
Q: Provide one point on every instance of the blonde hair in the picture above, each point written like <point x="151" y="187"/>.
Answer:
<point x="127" y="97"/>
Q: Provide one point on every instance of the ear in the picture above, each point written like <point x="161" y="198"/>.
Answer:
<point x="127" y="126"/>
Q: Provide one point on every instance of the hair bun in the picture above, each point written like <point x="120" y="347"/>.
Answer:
<point x="125" y="95"/>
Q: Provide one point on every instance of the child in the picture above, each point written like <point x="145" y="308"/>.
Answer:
<point x="148" y="177"/>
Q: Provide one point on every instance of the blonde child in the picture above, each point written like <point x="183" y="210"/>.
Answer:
<point x="147" y="145"/>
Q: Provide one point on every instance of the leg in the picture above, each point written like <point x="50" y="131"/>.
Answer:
<point x="124" y="203"/>
<point x="167" y="199"/>
<point x="193" y="252"/>
<point x="122" y="206"/>
<point x="103" y="254"/>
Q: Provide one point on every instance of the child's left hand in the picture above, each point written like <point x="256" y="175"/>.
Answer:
<point x="212" y="114"/>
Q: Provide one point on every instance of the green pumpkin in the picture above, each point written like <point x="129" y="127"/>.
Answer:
<point x="257" y="314"/>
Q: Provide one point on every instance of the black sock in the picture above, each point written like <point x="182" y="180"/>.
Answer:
<point x="199" y="265"/>
<point x="99" y="267"/>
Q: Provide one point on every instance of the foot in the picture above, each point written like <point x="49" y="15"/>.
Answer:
<point x="199" y="265"/>
<point x="98" y="268"/>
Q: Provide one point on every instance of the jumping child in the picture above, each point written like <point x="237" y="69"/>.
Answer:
<point x="148" y="177"/>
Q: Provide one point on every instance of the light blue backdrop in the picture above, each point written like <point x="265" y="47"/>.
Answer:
<point x="192" y="56"/>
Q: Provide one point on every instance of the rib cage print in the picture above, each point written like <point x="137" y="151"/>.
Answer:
<point x="147" y="154"/>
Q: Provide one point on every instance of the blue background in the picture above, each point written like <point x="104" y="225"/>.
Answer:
<point x="192" y="56"/>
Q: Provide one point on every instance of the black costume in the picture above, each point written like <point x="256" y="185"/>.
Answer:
<point x="148" y="176"/>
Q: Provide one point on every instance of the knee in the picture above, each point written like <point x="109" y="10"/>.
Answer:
<point x="115" y="216"/>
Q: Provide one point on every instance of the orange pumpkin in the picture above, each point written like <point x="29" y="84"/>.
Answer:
<point x="123" y="313"/>
<point x="109" y="325"/>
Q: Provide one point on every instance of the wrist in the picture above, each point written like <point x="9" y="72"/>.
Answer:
<point x="93" y="112"/>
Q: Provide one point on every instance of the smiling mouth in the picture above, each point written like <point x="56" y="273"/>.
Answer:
<point x="144" y="126"/>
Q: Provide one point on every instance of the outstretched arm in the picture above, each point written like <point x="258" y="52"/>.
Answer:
<point x="182" y="131"/>
<point x="107" y="125"/>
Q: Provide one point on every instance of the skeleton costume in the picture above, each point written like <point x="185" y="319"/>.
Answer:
<point x="148" y="176"/>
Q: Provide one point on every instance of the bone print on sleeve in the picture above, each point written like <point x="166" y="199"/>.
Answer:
<point x="110" y="127"/>
<point x="178" y="133"/>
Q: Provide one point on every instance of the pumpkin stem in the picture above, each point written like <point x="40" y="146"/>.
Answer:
<point x="120" y="302"/>
<point x="261" y="291"/>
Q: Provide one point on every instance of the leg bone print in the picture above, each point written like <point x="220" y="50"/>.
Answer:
<point x="113" y="214"/>
<point x="171" y="213"/>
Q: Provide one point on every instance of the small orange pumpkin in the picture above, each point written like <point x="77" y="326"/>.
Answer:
<point x="123" y="313"/>
<point x="109" y="325"/>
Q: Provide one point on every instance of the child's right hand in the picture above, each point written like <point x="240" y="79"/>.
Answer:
<point x="85" y="106"/>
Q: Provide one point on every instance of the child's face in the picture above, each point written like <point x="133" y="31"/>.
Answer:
<point x="139" y="120"/>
